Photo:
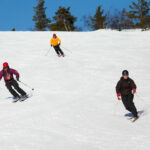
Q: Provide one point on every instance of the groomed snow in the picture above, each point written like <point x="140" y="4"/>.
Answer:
<point x="74" y="105"/>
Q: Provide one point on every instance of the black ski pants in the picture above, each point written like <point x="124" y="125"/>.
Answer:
<point x="12" y="86"/>
<point x="129" y="104"/>
<point x="58" y="50"/>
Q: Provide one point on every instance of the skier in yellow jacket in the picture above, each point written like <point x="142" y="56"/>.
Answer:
<point x="55" y="42"/>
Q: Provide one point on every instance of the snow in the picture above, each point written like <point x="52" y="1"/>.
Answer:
<point x="74" y="105"/>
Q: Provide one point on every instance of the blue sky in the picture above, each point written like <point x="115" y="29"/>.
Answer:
<point x="18" y="13"/>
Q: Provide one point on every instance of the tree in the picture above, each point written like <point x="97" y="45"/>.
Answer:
<point x="120" y="20"/>
<point x="87" y="22"/>
<point x="63" y="20"/>
<point x="115" y="21"/>
<point x="41" y="21"/>
<point x="138" y="12"/>
<point x="125" y="21"/>
<point x="147" y="21"/>
<point x="98" y="20"/>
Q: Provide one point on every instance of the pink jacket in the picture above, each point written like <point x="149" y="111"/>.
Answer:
<point x="11" y="72"/>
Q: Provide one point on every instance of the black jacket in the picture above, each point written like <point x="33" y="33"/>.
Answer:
<point x="125" y="86"/>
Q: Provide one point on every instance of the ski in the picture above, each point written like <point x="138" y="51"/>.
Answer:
<point x="21" y="99"/>
<point x="15" y="100"/>
<point x="25" y="98"/>
<point x="130" y="116"/>
<point x="135" y="119"/>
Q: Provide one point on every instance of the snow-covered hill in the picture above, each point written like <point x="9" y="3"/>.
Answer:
<point x="74" y="105"/>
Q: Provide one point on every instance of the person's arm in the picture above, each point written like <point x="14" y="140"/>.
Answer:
<point x="51" y="42"/>
<point x="118" y="88"/>
<point x="1" y="74"/>
<point x="59" y="40"/>
<point x="134" y="87"/>
<point x="15" y="72"/>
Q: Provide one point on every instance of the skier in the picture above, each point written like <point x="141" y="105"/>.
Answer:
<point x="8" y="73"/>
<point x="55" y="42"/>
<point x="126" y="89"/>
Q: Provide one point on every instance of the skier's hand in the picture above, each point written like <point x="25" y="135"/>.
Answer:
<point x="17" y="78"/>
<point x="51" y="45"/>
<point x="59" y="44"/>
<point x="133" y="91"/>
<point x="118" y="96"/>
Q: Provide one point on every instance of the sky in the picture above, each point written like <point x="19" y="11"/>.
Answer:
<point x="18" y="14"/>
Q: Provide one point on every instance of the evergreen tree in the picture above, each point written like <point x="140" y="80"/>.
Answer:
<point x="147" y="21"/>
<point x="120" y="20"/>
<point x="125" y="21"/>
<point x="115" y="21"/>
<point x="41" y="21"/>
<point x="63" y="20"/>
<point x="139" y="11"/>
<point x="98" y="20"/>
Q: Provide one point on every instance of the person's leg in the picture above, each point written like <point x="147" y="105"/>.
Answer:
<point x="132" y="106"/>
<point x="16" y="86"/>
<point x="11" y="90"/>
<point x="57" y="50"/>
<point x="126" y="103"/>
<point x="62" y="53"/>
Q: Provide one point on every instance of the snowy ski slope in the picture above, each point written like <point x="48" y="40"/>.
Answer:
<point x="74" y="105"/>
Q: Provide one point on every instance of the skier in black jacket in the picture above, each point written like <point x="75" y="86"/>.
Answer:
<point x="126" y="89"/>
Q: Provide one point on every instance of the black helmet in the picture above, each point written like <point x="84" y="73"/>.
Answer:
<point x="125" y="73"/>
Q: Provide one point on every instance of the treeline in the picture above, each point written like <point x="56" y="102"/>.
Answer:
<point x="137" y="17"/>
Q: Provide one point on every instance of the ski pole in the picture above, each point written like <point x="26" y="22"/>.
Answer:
<point x="27" y="85"/>
<point x="66" y="49"/>
<point x="48" y="51"/>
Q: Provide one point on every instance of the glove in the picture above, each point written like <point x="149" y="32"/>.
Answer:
<point x="133" y="91"/>
<point x="118" y="96"/>
<point x="51" y="45"/>
<point x="17" y="78"/>
<point x="59" y="44"/>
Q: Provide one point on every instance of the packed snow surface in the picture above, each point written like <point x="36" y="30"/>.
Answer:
<point x="74" y="104"/>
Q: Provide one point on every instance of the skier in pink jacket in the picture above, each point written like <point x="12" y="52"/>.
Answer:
<point x="11" y="84"/>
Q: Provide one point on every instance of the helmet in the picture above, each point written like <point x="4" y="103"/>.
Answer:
<point x="5" y="64"/>
<point x="54" y="35"/>
<point x="125" y="73"/>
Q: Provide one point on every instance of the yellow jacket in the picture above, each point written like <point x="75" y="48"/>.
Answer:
<point x="55" y="42"/>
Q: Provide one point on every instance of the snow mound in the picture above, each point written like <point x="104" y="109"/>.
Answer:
<point x="74" y="105"/>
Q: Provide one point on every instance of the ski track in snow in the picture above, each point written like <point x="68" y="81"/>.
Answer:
<point x="74" y="105"/>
